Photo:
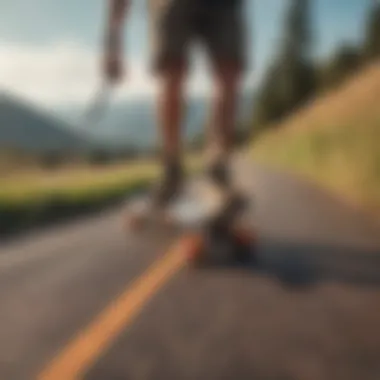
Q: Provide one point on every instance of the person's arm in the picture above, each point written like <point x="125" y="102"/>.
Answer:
<point x="116" y="17"/>
<point x="113" y="37"/>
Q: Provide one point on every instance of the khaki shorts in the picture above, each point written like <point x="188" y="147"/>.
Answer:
<point x="176" y="24"/>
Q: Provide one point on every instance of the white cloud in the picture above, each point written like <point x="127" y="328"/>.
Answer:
<point x="61" y="73"/>
<point x="66" y="73"/>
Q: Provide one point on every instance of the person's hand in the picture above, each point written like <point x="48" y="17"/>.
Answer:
<point x="113" y="67"/>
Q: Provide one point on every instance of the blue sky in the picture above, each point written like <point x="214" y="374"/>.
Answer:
<point x="49" y="49"/>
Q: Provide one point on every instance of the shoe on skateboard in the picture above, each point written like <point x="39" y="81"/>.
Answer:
<point x="224" y="233"/>
<point x="212" y="223"/>
<point x="223" y="236"/>
<point x="155" y="208"/>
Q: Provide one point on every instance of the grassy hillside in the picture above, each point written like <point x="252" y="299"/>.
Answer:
<point x="334" y="141"/>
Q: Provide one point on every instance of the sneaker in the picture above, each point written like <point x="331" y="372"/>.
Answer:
<point x="169" y="185"/>
<point x="219" y="173"/>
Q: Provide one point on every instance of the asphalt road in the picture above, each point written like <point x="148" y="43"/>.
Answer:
<point x="70" y="306"/>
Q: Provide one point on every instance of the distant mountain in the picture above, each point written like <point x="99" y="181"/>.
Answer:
<point x="128" y="124"/>
<point x="133" y="123"/>
<point x="24" y="127"/>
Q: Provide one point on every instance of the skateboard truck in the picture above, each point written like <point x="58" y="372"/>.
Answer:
<point x="223" y="238"/>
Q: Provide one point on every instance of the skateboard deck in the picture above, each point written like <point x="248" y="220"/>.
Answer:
<point x="213" y="224"/>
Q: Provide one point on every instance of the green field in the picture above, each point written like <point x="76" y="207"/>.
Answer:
<point x="72" y="181"/>
<point x="39" y="197"/>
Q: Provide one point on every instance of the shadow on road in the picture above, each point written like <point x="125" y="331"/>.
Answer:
<point x="303" y="265"/>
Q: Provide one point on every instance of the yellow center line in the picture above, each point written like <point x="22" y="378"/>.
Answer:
<point x="88" y="345"/>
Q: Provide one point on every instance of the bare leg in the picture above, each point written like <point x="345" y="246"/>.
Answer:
<point x="170" y="109"/>
<point x="223" y="121"/>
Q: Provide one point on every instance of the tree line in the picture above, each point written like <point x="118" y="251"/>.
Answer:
<point x="295" y="76"/>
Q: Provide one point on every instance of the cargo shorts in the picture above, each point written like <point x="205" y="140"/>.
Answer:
<point x="216" y="24"/>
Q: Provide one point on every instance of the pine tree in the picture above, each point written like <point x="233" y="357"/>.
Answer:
<point x="372" y="39"/>
<point x="290" y="80"/>
<point x="297" y="78"/>
<point x="346" y="61"/>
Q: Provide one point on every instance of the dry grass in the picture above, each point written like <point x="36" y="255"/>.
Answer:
<point x="36" y="182"/>
<point x="334" y="141"/>
<point x="355" y="102"/>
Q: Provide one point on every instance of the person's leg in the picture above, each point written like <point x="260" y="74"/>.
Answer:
<point x="170" y="114"/>
<point x="171" y="22"/>
<point x="223" y="120"/>
<point x="170" y="111"/>
<point x="224" y="36"/>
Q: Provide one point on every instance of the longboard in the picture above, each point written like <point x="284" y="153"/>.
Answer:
<point x="213" y="224"/>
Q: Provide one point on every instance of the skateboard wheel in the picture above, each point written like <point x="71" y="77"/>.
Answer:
<point x="194" y="248"/>
<point x="245" y="245"/>
<point x="244" y="236"/>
